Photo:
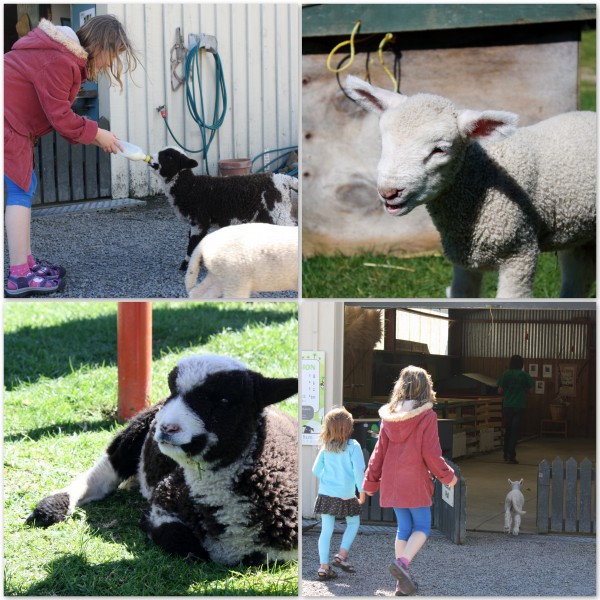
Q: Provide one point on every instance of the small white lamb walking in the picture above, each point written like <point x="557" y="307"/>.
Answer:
<point x="241" y="259"/>
<point x="513" y="508"/>
<point x="498" y="195"/>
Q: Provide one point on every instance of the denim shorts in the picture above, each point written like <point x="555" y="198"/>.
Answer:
<point x="17" y="196"/>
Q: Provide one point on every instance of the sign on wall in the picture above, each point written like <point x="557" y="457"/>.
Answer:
<point x="312" y="391"/>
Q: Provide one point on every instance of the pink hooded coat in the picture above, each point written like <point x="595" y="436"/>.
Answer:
<point x="406" y="456"/>
<point x="42" y="75"/>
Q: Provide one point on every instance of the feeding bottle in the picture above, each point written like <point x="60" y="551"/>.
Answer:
<point x="133" y="152"/>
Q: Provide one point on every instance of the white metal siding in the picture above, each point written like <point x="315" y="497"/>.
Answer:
<point x="259" y="49"/>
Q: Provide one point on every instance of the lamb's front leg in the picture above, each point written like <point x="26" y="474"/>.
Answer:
<point x="194" y="237"/>
<point x="465" y="284"/>
<point x="172" y="535"/>
<point x="516" y="275"/>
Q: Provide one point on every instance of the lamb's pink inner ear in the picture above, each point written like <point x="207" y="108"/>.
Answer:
<point x="485" y="127"/>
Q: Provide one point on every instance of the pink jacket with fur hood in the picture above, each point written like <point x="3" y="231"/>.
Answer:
<point x="406" y="456"/>
<point x="42" y="75"/>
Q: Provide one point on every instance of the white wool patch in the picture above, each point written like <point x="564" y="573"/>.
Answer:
<point x="145" y="489"/>
<point x="95" y="484"/>
<point x="193" y="370"/>
<point x="159" y="516"/>
<point x="215" y="488"/>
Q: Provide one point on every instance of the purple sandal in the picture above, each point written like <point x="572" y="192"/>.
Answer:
<point x="31" y="285"/>
<point x="45" y="268"/>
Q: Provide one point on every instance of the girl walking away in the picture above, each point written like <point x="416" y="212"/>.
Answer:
<point x="42" y="76"/>
<point x="513" y="385"/>
<point x="405" y="457"/>
<point x="340" y="468"/>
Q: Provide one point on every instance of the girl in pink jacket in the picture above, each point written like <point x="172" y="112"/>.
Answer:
<point x="43" y="73"/>
<point x="405" y="458"/>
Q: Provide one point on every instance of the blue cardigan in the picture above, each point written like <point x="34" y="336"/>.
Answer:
<point x="340" y="473"/>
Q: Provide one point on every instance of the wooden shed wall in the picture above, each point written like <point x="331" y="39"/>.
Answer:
<point x="259" y="47"/>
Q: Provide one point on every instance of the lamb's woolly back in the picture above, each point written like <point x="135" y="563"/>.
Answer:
<point x="241" y="259"/>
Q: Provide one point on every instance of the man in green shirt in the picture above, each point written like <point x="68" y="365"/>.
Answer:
<point x="513" y="385"/>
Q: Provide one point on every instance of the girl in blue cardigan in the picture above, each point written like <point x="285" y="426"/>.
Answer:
<point x="340" y="468"/>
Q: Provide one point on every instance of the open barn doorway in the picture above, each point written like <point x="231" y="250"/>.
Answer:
<point x="466" y="349"/>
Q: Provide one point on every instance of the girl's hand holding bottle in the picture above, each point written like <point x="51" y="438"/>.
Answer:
<point x="108" y="141"/>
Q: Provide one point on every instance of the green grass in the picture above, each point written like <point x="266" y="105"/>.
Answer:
<point x="59" y="414"/>
<point x="393" y="277"/>
<point x="428" y="277"/>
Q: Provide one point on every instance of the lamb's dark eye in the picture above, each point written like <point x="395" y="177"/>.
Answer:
<point x="438" y="151"/>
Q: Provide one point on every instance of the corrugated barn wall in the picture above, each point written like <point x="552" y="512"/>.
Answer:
<point x="551" y="338"/>
<point x="259" y="49"/>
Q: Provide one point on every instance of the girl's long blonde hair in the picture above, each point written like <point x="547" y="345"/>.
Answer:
<point x="413" y="384"/>
<point x="105" y="33"/>
<point x="337" y="429"/>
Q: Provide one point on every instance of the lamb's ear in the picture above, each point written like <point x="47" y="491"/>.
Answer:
<point x="271" y="390"/>
<point x="186" y="162"/>
<point x="488" y="124"/>
<point x="371" y="98"/>
<point x="173" y="380"/>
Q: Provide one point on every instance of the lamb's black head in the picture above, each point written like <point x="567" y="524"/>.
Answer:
<point x="215" y="408"/>
<point x="170" y="161"/>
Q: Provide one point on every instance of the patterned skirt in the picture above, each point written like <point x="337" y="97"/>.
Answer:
<point x="327" y="505"/>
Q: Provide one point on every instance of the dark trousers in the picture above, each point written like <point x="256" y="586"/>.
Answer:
<point x="511" y="418"/>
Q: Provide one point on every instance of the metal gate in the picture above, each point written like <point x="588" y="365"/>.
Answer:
<point x="70" y="172"/>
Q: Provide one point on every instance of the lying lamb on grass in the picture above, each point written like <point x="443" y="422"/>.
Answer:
<point x="241" y="259"/>
<point x="498" y="195"/>
<point x="207" y="202"/>
<point x="217" y="463"/>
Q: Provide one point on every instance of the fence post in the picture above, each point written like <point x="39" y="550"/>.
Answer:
<point x="585" y="496"/>
<point x="571" y="496"/>
<point x="134" y="357"/>
<point x="556" y="518"/>
<point x="543" y="496"/>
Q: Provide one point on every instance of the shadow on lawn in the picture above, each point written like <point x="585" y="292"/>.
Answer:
<point x="68" y="428"/>
<point x="33" y="353"/>
<point x="150" y="572"/>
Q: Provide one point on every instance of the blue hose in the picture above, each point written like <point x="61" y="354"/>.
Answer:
<point x="193" y="92"/>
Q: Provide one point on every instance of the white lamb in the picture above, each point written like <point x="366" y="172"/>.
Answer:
<point x="498" y="195"/>
<point x="241" y="259"/>
<point x="513" y="508"/>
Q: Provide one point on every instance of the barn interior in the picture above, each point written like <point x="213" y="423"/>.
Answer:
<point x="465" y="350"/>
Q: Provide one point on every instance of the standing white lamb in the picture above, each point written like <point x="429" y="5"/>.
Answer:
<point x="241" y="259"/>
<point x="498" y="195"/>
<point x="513" y="508"/>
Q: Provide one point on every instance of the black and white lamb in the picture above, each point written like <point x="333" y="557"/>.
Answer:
<point x="216" y="461"/>
<point x="207" y="202"/>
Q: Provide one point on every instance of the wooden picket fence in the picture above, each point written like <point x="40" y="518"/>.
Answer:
<point x="68" y="173"/>
<point x="566" y="495"/>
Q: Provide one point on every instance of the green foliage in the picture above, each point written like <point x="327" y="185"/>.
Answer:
<point x="59" y="414"/>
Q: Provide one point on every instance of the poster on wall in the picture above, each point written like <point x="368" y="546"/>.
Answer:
<point x="312" y="393"/>
<point x="540" y="387"/>
<point x="86" y="15"/>
<point x="547" y="371"/>
<point x="567" y="380"/>
<point x="533" y="370"/>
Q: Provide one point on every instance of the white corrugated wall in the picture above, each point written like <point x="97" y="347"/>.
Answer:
<point x="259" y="49"/>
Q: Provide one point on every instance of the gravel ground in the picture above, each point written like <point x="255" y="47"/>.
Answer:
<point x="128" y="252"/>
<point x="489" y="564"/>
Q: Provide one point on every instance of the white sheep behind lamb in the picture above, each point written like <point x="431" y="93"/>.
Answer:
<point x="498" y="195"/>
<point x="246" y="258"/>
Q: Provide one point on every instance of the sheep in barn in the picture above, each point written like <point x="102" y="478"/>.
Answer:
<point x="216" y="461"/>
<point x="207" y="202"/>
<point x="497" y="194"/>
<point x="241" y="259"/>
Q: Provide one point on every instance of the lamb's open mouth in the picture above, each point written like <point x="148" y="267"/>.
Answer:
<point x="396" y="208"/>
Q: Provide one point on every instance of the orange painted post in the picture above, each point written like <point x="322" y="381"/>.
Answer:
<point x="134" y="357"/>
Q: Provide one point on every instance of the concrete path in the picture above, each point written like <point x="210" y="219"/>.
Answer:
<point x="489" y="564"/>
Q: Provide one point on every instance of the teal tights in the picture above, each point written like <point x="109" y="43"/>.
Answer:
<point x="327" y="524"/>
